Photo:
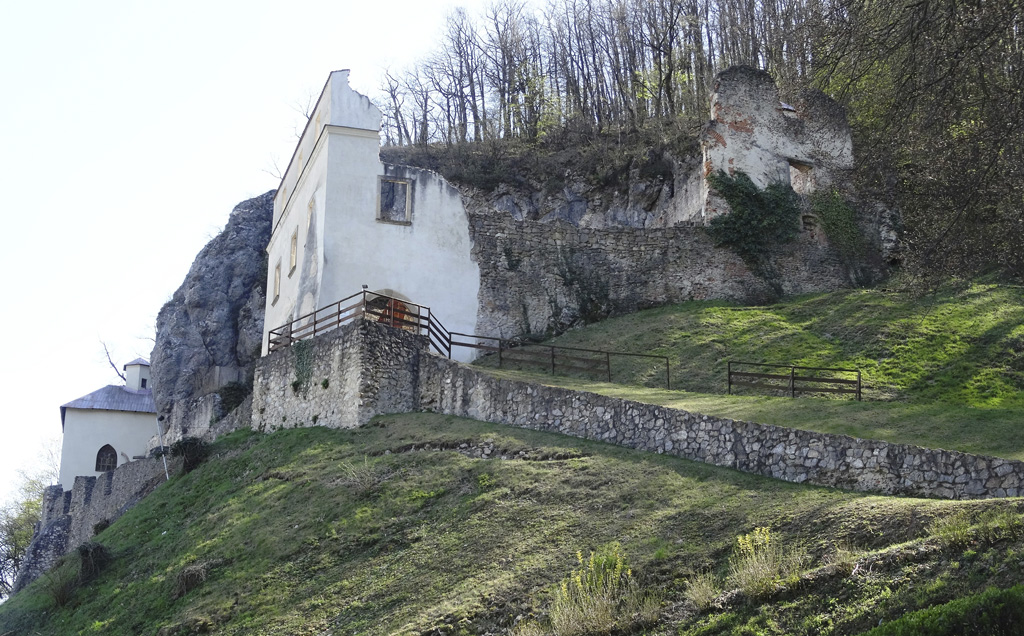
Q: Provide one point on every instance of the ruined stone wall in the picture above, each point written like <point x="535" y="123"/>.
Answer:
<point x="69" y="516"/>
<point x="340" y="379"/>
<point x="540" y="277"/>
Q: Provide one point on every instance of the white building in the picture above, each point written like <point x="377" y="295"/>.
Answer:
<point x="344" y="221"/>
<point x="108" y="427"/>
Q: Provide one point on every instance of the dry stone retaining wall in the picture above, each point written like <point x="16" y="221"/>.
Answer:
<point x="388" y="371"/>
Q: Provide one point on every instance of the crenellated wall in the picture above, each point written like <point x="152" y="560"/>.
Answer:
<point x="69" y="515"/>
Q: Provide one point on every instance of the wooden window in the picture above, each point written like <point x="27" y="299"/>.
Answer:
<point x="394" y="200"/>
<point x="106" y="459"/>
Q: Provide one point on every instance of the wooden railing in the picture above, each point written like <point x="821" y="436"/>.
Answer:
<point x="791" y="382"/>
<point x="418" y="319"/>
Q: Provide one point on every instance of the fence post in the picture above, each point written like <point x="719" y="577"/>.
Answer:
<point x="858" y="386"/>
<point x="792" y="382"/>
<point x="729" y="367"/>
<point x="552" y="360"/>
<point x="608" y="362"/>
<point x="668" y="379"/>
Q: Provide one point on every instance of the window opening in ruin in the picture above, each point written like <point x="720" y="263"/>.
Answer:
<point x="801" y="176"/>
<point x="394" y="203"/>
<point x="106" y="459"/>
<point x="293" y="258"/>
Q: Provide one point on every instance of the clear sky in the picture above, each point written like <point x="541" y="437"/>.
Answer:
<point x="128" y="132"/>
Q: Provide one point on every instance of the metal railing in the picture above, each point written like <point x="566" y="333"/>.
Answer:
<point x="368" y="305"/>
<point x="553" y="357"/>
<point x="788" y="382"/>
<point x="407" y="315"/>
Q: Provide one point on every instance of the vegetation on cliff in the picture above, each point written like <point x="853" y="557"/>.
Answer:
<point x="413" y="525"/>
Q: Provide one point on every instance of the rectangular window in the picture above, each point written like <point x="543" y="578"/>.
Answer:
<point x="277" y="283"/>
<point x="394" y="203"/>
<point x="293" y="259"/>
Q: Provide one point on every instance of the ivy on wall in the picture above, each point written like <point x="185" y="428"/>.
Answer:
<point x="759" y="220"/>
<point x="840" y="224"/>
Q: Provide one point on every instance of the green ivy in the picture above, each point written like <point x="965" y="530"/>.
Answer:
<point x="303" y="364"/>
<point x="758" y="219"/>
<point x="839" y="222"/>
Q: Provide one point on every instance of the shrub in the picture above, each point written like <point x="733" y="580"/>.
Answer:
<point x="362" y="479"/>
<point x="60" y="582"/>
<point x="231" y="395"/>
<point x="760" y="561"/>
<point x="993" y="612"/>
<point x="93" y="558"/>
<point x="189" y="578"/>
<point x="100" y="526"/>
<point x="996" y="525"/>
<point x="953" y="530"/>
<point x="702" y="589"/>
<point x="600" y="597"/>
<point x="192" y="450"/>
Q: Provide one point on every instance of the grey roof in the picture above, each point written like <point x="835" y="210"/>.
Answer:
<point x="113" y="398"/>
<point x="141" y="361"/>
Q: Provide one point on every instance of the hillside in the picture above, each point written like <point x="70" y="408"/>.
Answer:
<point x="944" y="370"/>
<point x="404" y="527"/>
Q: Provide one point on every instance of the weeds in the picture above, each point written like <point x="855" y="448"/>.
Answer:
<point x="362" y="479"/>
<point x="952" y="530"/>
<point x="702" y="589"/>
<point x="760" y="561"/>
<point x="60" y="582"/>
<point x="601" y="597"/>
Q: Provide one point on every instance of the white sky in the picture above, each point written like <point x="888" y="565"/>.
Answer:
<point x="128" y="132"/>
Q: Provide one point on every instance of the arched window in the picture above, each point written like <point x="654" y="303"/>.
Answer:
<point x="106" y="459"/>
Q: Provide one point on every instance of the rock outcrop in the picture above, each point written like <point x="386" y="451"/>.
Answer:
<point x="209" y="333"/>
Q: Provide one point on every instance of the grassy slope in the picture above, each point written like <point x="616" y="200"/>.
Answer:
<point x="299" y="543"/>
<point x="944" y="371"/>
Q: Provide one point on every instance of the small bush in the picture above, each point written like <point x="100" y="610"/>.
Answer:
<point x="993" y="612"/>
<point x="996" y="525"/>
<point x="93" y="559"/>
<point x="760" y="562"/>
<point x="231" y="395"/>
<point x="100" y="526"/>
<point x="952" y="531"/>
<point x="189" y="578"/>
<point x="601" y="597"/>
<point x="60" y="582"/>
<point x="702" y="589"/>
<point x="362" y="479"/>
<point x="192" y="450"/>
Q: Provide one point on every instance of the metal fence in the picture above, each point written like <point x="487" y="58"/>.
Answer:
<point x="791" y="382"/>
<point x="418" y="319"/>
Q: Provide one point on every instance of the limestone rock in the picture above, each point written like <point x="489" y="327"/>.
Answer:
<point x="209" y="333"/>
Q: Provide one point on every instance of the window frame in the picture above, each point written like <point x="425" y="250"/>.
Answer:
<point x="409" y="186"/>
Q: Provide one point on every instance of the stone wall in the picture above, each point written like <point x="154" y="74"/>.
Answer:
<point x="69" y="516"/>
<point x="338" y="380"/>
<point x="538" y="278"/>
<point x="386" y="370"/>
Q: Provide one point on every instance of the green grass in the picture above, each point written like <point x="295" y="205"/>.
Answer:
<point x="316" y="531"/>
<point x="941" y="371"/>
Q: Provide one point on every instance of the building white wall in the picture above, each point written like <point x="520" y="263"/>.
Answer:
<point x="427" y="261"/>
<point x="134" y="374"/>
<point x="88" y="430"/>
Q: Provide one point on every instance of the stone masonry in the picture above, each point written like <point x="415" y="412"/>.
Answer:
<point x="395" y="374"/>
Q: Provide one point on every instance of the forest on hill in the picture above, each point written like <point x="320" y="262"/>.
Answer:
<point x="933" y="89"/>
